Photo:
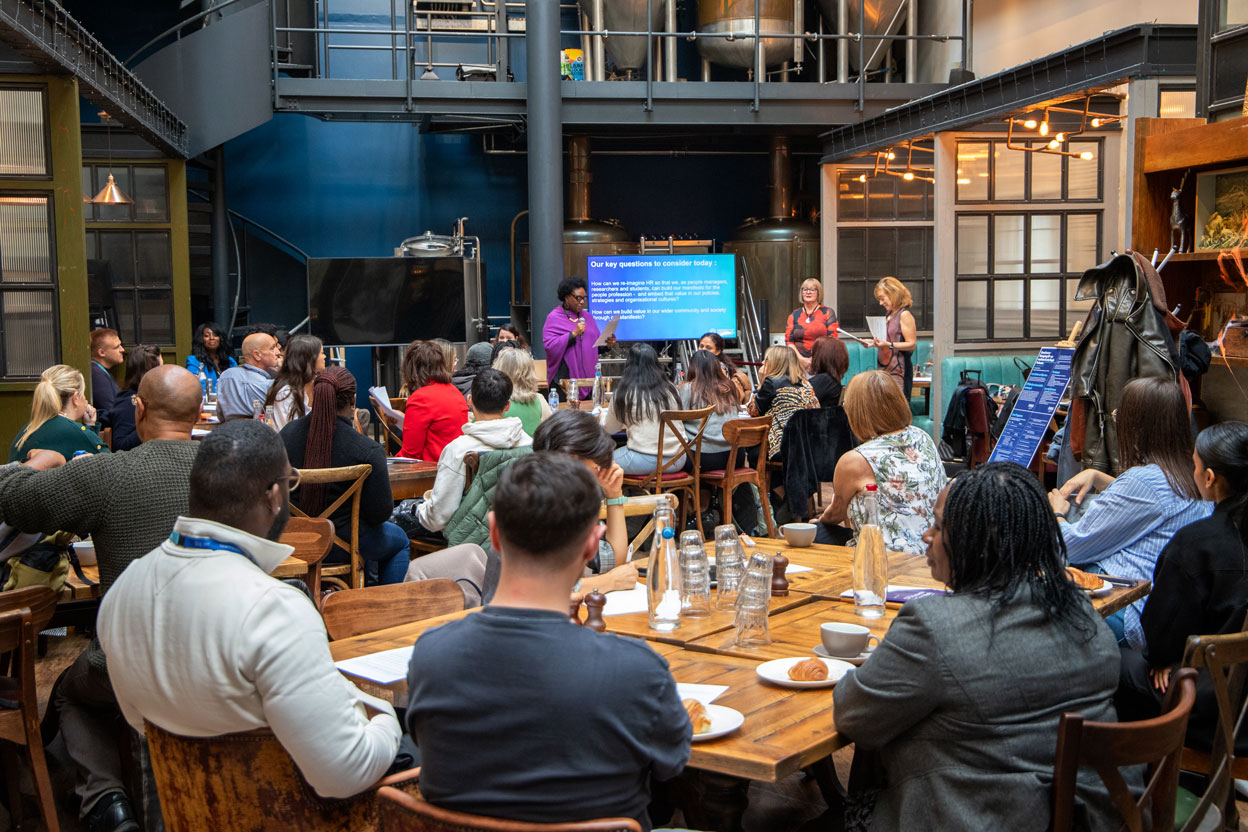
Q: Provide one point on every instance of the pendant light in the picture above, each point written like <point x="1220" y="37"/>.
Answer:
<point x="110" y="194"/>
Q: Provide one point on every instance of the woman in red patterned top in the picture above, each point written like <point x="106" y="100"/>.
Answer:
<point x="436" y="412"/>
<point x="810" y="321"/>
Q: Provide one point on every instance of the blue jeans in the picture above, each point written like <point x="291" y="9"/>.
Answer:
<point x="640" y="465"/>
<point x="388" y="545"/>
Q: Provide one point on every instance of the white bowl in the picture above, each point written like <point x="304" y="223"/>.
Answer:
<point x="85" y="550"/>
<point x="798" y="535"/>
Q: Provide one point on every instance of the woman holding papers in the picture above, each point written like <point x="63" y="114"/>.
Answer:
<point x="570" y="335"/>
<point x="900" y="337"/>
<point x="810" y="321"/>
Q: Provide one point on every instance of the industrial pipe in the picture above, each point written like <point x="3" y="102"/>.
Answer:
<point x="780" y="182"/>
<point x="545" y="140"/>
<point x="579" y="178"/>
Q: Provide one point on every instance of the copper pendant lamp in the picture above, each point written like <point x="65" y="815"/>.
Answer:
<point x="110" y="194"/>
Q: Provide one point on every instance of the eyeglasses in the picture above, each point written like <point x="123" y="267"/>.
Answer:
<point x="580" y="298"/>
<point x="809" y="289"/>
<point x="296" y="476"/>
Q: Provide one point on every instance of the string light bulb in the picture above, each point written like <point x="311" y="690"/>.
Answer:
<point x="1053" y="145"/>
<point x="907" y="176"/>
<point x="1030" y="124"/>
<point x="891" y="156"/>
<point x="1096" y="122"/>
<point x="1044" y="128"/>
<point x="1086" y="155"/>
<point x="1060" y="137"/>
<point x="862" y="177"/>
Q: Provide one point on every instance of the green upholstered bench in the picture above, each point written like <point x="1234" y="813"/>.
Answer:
<point x="862" y="359"/>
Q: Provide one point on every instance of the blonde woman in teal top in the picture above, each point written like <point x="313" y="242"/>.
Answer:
<point x="60" y="406"/>
<point x="530" y="408"/>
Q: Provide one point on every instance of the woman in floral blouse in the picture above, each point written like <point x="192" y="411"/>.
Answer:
<point x="894" y="455"/>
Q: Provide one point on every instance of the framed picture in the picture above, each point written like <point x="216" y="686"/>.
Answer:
<point x="1221" y="209"/>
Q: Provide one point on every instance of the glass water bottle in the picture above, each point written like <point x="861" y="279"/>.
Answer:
<point x="870" y="559"/>
<point x="663" y="578"/>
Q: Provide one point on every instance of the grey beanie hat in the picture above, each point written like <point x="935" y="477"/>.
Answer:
<point x="480" y="353"/>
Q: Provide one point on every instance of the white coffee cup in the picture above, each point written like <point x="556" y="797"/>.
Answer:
<point x="845" y="639"/>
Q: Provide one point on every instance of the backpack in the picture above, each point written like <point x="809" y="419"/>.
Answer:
<point x="953" y="431"/>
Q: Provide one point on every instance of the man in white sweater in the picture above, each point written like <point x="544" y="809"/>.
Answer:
<point x="202" y="641"/>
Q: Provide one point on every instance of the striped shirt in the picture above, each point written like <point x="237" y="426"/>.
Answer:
<point x="1125" y="528"/>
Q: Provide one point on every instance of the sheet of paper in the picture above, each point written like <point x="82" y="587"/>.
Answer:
<point x="899" y="594"/>
<point x="607" y="331"/>
<point x="198" y="433"/>
<point x="706" y="694"/>
<point x="384" y="668"/>
<point x="791" y="569"/>
<point x="381" y="397"/>
<point x="848" y="334"/>
<point x="625" y="601"/>
<point x="878" y="326"/>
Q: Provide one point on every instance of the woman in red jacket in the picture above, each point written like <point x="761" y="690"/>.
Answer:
<point x="436" y="412"/>
<point x="810" y="321"/>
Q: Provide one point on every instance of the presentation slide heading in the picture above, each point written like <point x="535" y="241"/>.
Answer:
<point x="665" y="297"/>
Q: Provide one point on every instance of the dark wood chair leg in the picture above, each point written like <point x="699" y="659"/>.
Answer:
<point x="43" y="785"/>
<point x="726" y="489"/>
<point x="766" y="503"/>
<point x="13" y="776"/>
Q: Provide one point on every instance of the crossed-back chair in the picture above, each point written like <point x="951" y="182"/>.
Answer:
<point x="356" y="611"/>
<point x="741" y="435"/>
<point x="355" y="475"/>
<point x="472" y="461"/>
<point x="312" y="539"/>
<point x="666" y="476"/>
<point x="1225" y="658"/>
<point x="403" y="812"/>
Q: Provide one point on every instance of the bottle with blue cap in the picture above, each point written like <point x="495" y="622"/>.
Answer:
<point x="664" y="579"/>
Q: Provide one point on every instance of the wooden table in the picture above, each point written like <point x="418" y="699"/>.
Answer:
<point x="637" y="624"/>
<point x="409" y="480"/>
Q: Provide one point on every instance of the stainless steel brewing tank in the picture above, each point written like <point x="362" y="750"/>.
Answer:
<point x="776" y="255"/>
<point x="628" y="51"/>
<point x="737" y="16"/>
<point x="583" y="239"/>
<point x="883" y="17"/>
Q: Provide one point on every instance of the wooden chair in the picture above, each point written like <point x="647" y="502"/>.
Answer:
<point x="1225" y="658"/>
<point x="1108" y="746"/>
<point x="355" y="475"/>
<point x="667" y="477"/>
<point x="355" y="611"/>
<point x="247" y="781"/>
<point x="106" y="436"/>
<point x="642" y="505"/>
<point x="472" y="461"/>
<point x="741" y="435"/>
<point x="312" y="539"/>
<point x="23" y="614"/>
<point x="978" y="428"/>
<point x="401" y="812"/>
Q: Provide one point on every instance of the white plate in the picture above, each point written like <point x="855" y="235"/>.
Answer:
<point x="776" y="671"/>
<point x="723" y="721"/>
<point x="1105" y="588"/>
<point x="856" y="660"/>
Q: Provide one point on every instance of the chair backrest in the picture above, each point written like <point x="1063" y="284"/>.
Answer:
<point x="243" y="782"/>
<point x="978" y="427"/>
<point x="472" y="462"/>
<point x="673" y="421"/>
<point x="1225" y="659"/>
<point x="814" y="441"/>
<point x="400" y="812"/>
<point x="743" y="434"/>
<point x="40" y="600"/>
<point x="312" y="538"/>
<point x="1109" y="746"/>
<point x="350" y="612"/>
<point x="355" y="475"/>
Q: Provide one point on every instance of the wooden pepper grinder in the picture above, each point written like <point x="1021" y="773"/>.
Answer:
<point x="594" y="603"/>
<point x="574" y="612"/>
<point x="779" y="583"/>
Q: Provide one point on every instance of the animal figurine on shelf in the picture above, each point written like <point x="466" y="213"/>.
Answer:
<point x="1178" y="220"/>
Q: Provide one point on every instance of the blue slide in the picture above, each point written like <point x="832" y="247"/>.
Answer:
<point x="665" y="297"/>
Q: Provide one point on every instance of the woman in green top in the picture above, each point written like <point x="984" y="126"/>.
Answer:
<point x="59" y="404"/>
<point x="530" y="408"/>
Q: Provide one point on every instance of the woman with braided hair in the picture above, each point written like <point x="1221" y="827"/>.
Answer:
<point x="960" y="703"/>
<point x="327" y="438"/>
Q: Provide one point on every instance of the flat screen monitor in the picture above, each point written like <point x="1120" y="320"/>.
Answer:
<point x="371" y="301"/>
<point x="665" y="297"/>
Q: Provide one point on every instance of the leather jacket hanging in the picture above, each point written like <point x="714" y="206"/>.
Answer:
<point x="1129" y="334"/>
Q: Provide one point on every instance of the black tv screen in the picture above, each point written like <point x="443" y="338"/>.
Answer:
<point x="371" y="301"/>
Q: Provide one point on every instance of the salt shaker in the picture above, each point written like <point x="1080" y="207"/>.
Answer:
<point x="729" y="566"/>
<point x="695" y="573"/>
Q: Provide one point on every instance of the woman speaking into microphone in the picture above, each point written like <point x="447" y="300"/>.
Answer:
<point x="569" y="336"/>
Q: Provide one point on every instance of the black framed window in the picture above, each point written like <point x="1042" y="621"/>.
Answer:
<point x="133" y="276"/>
<point x="29" y="322"/>
<point x="147" y="185"/>
<point x="990" y="171"/>
<point x="24" y="147"/>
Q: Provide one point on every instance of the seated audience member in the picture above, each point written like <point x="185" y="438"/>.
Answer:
<point x="235" y="649"/>
<point x="106" y="353"/>
<point x="713" y="343"/>
<point x="511" y="332"/>
<point x="1200" y="587"/>
<point x="435" y="412"/>
<point x="291" y="393"/>
<point x="142" y="359"/>
<point x="570" y="724"/>
<point x="706" y="385"/>
<point x="477" y="358"/>
<point x="242" y="388"/>
<point x="210" y="352"/>
<point x="1123" y="530"/>
<point x="898" y="458"/>
<point x="783" y="392"/>
<point x="490" y="430"/>
<point x="828" y="362"/>
<point x="448" y="352"/>
<point x="530" y="408"/>
<point x="327" y="438"/>
<point x="641" y="394"/>
<point x="127" y="503"/>
<point x="961" y="700"/>
<point x="61" y="418"/>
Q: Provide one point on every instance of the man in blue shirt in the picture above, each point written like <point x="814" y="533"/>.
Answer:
<point x="522" y="715"/>
<point x="249" y="382"/>
<point x="106" y="353"/>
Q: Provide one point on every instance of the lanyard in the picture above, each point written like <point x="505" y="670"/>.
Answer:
<point x="179" y="539"/>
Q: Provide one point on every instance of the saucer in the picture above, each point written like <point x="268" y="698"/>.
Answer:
<point x="856" y="660"/>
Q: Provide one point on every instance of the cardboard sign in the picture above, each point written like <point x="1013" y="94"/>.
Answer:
<point x="1034" y="407"/>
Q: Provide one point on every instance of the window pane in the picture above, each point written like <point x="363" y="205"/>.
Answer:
<point x="1009" y="173"/>
<point x="1007" y="309"/>
<point x="23" y="151"/>
<point x="151" y="195"/>
<point x="1081" y="253"/>
<point x="972" y="244"/>
<point x="1076" y="310"/>
<point x="1084" y="173"/>
<point x="25" y="244"/>
<point x="123" y="302"/>
<point x="121" y="175"/>
<point x="851" y="199"/>
<point x="918" y="293"/>
<point x="1046" y="243"/>
<point x="155" y="267"/>
<point x="1231" y="13"/>
<point x="1046" y="174"/>
<point x="117" y="250"/>
<point x="29" y="332"/>
<point x="913" y="253"/>
<point x="1007" y="256"/>
<point x="914" y="199"/>
<point x="851" y="300"/>
<point x="881" y="192"/>
<point x="156" y="317"/>
<point x="1046" y="311"/>
<point x="972" y="171"/>
<point x="851" y="252"/>
<point x="1179" y="103"/>
<point x="881" y="252"/>
<point x="88" y="191"/>
<point x="972" y="309"/>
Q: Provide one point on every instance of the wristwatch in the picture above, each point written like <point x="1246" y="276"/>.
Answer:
<point x="616" y="501"/>
<point x="1060" y="515"/>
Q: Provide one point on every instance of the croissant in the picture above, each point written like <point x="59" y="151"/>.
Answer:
<point x="698" y="716"/>
<point x="1083" y="580"/>
<point x="810" y="670"/>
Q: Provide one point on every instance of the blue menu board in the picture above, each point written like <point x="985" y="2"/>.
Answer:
<point x="1034" y="408"/>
